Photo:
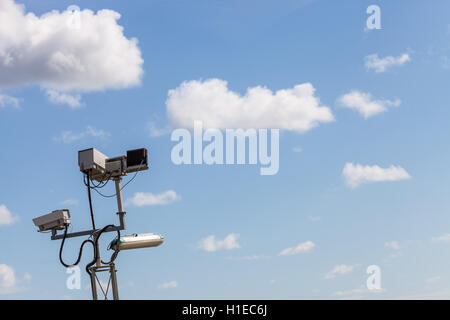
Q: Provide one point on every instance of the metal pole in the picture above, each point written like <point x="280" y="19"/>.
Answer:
<point x="93" y="285"/>
<point x="119" y="195"/>
<point x="115" y="287"/>
<point x="97" y="249"/>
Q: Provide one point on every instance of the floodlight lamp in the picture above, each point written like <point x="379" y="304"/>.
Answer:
<point x="136" y="241"/>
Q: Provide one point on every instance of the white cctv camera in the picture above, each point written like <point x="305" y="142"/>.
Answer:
<point x="56" y="220"/>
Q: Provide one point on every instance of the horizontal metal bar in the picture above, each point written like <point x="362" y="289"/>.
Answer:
<point x="85" y="233"/>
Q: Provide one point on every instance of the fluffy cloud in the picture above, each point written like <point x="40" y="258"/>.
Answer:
<point x="301" y="248"/>
<point x="156" y="131"/>
<point x="358" y="293"/>
<point x="7" y="276"/>
<point x="73" y="101"/>
<point x="250" y="257"/>
<point x="445" y="238"/>
<point x="339" y="270"/>
<point x="365" y="104"/>
<point x="69" y="202"/>
<point x="433" y="279"/>
<point x="211" y="102"/>
<point x="168" y="285"/>
<point x="66" y="51"/>
<point x="394" y="245"/>
<point x="355" y="175"/>
<point x="27" y="277"/>
<point x="142" y="199"/>
<point x="69" y="136"/>
<point x="6" y="100"/>
<point x="8" y="281"/>
<point x="210" y="243"/>
<point x="437" y="295"/>
<point x="381" y="65"/>
<point x="6" y="217"/>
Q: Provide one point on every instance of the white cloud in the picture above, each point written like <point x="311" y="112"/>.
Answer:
<point x="358" y="293"/>
<point x="73" y="101"/>
<point x="365" y="104"/>
<point x="392" y="245"/>
<point x="7" y="276"/>
<point x="445" y="238"/>
<point x="8" y="281"/>
<point x="355" y="175"/>
<point x="210" y="243"/>
<point x="314" y="219"/>
<point x="6" y="217"/>
<point x="142" y="199"/>
<point x="301" y="248"/>
<point x="250" y="257"/>
<point x="68" y="51"/>
<point x="69" y="202"/>
<point x="69" y="136"/>
<point x="381" y="65"/>
<point x="433" y="279"/>
<point x="156" y="131"/>
<point x="6" y="100"/>
<point x="27" y="277"/>
<point x="438" y="295"/>
<point x="168" y="285"/>
<point x="297" y="149"/>
<point x="339" y="270"/>
<point x="210" y="101"/>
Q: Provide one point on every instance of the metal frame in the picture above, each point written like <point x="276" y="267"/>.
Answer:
<point x="112" y="280"/>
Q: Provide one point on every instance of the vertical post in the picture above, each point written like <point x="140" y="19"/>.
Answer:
<point x="118" y="195"/>
<point x="122" y="220"/>
<point x="93" y="285"/>
<point x="115" y="288"/>
<point x="97" y="249"/>
<point x="112" y="269"/>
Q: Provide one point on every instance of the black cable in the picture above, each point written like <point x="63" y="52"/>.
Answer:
<point x="116" y="250"/>
<point x="90" y="204"/>
<point x="80" y="253"/>
<point x="128" y="182"/>
<point x="105" y="196"/>
<point x="114" y="255"/>
<point x="102" y="183"/>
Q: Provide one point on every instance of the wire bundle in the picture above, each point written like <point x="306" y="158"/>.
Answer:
<point x="91" y="185"/>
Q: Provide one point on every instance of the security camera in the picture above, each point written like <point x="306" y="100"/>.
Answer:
<point x="137" y="160"/>
<point x="55" y="220"/>
<point x="136" y="241"/>
<point x="93" y="161"/>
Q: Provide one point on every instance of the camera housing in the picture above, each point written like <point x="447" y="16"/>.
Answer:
<point x="137" y="160"/>
<point x="115" y="167"/>
<point x="92" y="160"/>
<point x="136" y="241"/>
<point x="56" y="220"/>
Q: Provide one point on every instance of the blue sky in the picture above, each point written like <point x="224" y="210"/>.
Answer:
<point x="401" y="226"/>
